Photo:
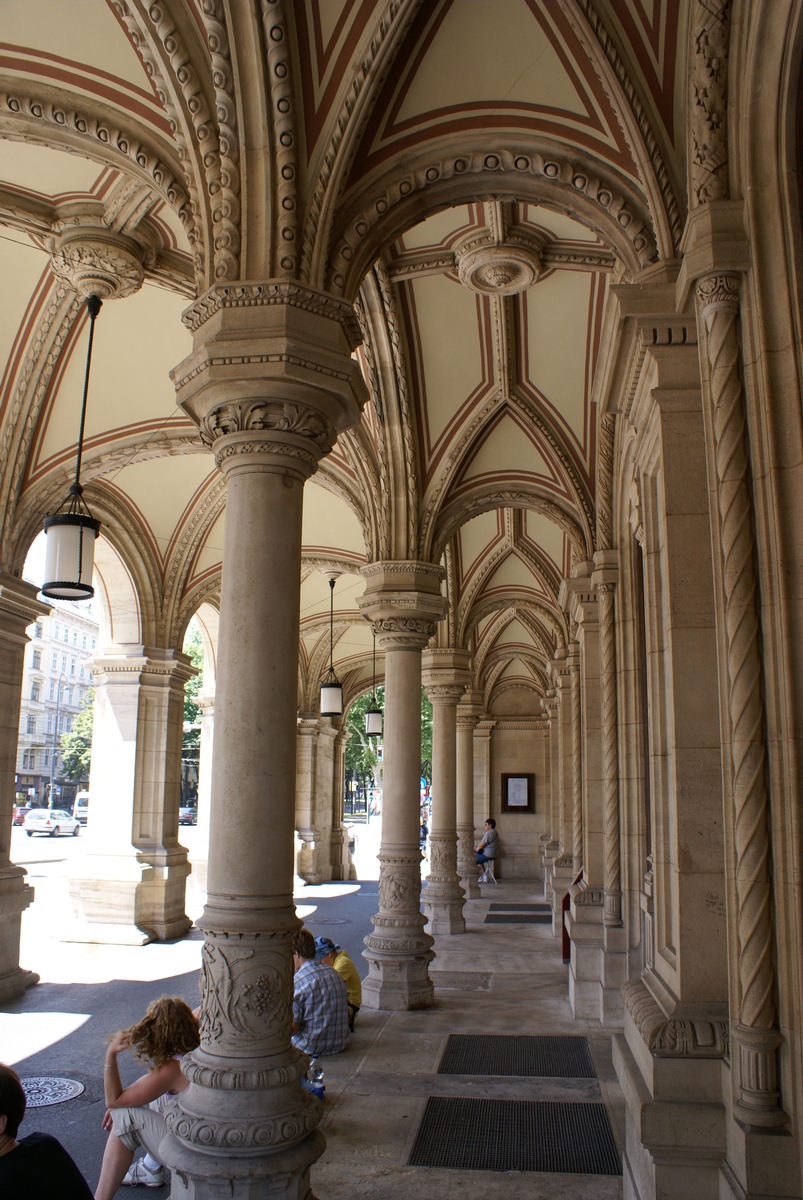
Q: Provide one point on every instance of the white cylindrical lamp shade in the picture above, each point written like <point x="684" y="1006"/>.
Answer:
<point x="331" y="696"/>
<point x="373" y="722"/>
<point x="70" y="556"/>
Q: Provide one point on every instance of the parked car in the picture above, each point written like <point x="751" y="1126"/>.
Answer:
<point x="187" y="816"/>
<point x="19" y="812"/>
<point x="81" y="807"/>
<point x="51" y="821"/>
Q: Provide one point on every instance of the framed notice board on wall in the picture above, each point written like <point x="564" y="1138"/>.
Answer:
<point x="518" y="793"/>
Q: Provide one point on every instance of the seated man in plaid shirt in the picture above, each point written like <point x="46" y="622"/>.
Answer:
<point x="320" y="1001"/>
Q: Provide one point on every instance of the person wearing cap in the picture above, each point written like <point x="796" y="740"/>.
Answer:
<point x="329" y="952"/>
<point x="320" y="1001"/>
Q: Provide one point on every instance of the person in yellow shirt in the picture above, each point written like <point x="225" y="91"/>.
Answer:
<point x="335" y="956"/>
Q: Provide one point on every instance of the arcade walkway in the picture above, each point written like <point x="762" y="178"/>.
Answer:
<point x="497" y="979"/>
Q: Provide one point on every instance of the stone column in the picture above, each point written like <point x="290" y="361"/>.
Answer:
<point x="403" y="601"/>
<point x="550" y="851"/>
<point x="200" y="861"/>
<point x="307" y="865"/>
<point x="342" y="866"/>
<point x="270" y="382"/>
<point x="565" y="867"/>
<point x="468" y="714"/>
<point x="134" y="888"/>
<point x="445" y="676"/>
<point x="18" y="608"/>
<point x="482" y="774"/>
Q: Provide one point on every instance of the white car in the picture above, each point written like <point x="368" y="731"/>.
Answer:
<point x="51" y="821"/>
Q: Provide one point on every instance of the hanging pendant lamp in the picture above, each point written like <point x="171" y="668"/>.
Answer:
<point x="71" y="531"/>
<point x="373" y="715"/>
<point x="331" y="689"/>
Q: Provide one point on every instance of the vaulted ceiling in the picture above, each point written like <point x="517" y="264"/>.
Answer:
<point x="474" y="174"/>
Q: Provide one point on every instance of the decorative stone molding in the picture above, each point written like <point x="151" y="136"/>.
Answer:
<point x="426" y="570"/>
<point x="241" y="992"/>
<point x="697" y="1036"/>
<point x="586" y="897"/>
<point x="270" y="293"/>
<point x="225" y="190"/>
<point x="560" y="176"/>
<point x="498" y="268"/>
<point x="107" y="265"/>
<point x="708" y="152"/>
<point x="283" y="118"/>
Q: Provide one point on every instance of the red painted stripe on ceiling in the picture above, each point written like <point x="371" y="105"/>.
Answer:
<point x="384" y="136"/>
<point x="333" y="58"/>
<point x="25" y="331"/>
<point x="661" y="36"/>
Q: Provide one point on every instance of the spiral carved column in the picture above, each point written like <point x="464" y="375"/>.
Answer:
<point x="577" y="763"/>
<point x="756" y="1035"/>
<point x="610" y="754"/>
<point x="403" y="602"/>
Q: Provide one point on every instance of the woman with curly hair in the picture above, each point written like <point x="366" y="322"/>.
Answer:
<point x="135" y="1115"/>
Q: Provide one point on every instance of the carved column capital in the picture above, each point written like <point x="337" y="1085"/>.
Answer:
<point x="271" y="375"/>
<point x="445" y="674"/>
<point x="403" y="602"/>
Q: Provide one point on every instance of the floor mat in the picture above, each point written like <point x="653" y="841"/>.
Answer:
<point x="536" y="908"/>
<point x="501" y="1054"/>
<point x="509" y="918"/>
<point x="515" y="1135"/>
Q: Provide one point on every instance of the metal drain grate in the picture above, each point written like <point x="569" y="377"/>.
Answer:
<point x="535" y="908"/>
<point x="518" y="919"/>
<point x="41" y="1090"/>
<point x="500" y="1054"/>
<point x="515" y="1135"/>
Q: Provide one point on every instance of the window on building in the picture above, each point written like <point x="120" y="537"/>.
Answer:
<point x="83" y="642"/>
<point x="49" y="722"/>
<point x="55" y="629"/>
<point x="72" y="666"/>
<point x="64" y="662"/>
<point x="62" y="722"/>
<point x="35" y="690"/>
<point x="47" y="757"/>
<point x="81" y="671"/>
<point x="25" y="760"/>
<point x="37" y="660"/>
<point x="31" y="724"/>
<point x="32" y="760"/>
<point x="66" y="634"/>
<point x="75" y="637"/>
<point x="93" y="643"/>
<point x="37" y="629"/>
<point x="68" y="695"/>
<point x="52" y="695"/>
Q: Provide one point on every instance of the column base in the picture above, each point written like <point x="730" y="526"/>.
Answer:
<point x="15" y="896"/>
<point x="130" y="901"/>
<point x="584" y="921"/>
<point x="280" y="1176"/>
<point x="398" y="975"/>
<point x="443" y="916"/>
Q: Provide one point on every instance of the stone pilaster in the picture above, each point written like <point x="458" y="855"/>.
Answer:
<point x="315" y="782"/>
<point x="403" y="601"/>
<point x="136" y="870"/>
<point x="469" y="712"/>
<point x="18" y="608"/>
<point x="270" y="382"/>
<point x="550" y="842"/>
<point x="445" y="676"/>
<point x="342" y="865"/>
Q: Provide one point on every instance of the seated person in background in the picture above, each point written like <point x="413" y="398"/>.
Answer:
<point x="320" y="1001"/>
<point x="335" y="956"/>
<point x="488" y="847"/>
<point x="37" y="1167"/>
<point x="135" y="1114"/>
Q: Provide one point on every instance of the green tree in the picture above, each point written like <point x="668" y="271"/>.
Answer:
<point x="426" y="738"/>
<point x="76" y="746"/>
<point x="191" y="738"/>
<point x="361" y="751"/>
